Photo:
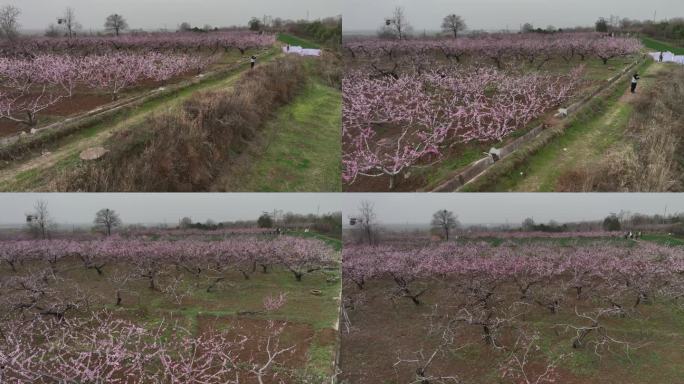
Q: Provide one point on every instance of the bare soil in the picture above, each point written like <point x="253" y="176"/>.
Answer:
<point x="384" y="331"/>
<point x="297" y="334"/>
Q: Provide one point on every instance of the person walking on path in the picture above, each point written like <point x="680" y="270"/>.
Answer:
<point x="635" y="80"/>
<point x="661" y="57"/>
<point x="252" y="60"/>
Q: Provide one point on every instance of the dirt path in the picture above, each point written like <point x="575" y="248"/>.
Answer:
<point x="580" y="146"/>
<point x="26" y="176"/>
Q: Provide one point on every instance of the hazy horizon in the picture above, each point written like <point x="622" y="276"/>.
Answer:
<point x="37" y="15"/>
<point x="138" y="208"/>
<point x="416" y="209"/>
<point x="493" y="15"/>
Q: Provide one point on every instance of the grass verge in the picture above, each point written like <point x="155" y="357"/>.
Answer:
<point x="538" y="156"/>
<point x="301" y="148"/>
<point x="661" y="46"/>
<point x="296" y="41"/>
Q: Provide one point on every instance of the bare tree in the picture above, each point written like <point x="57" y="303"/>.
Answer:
<point x="69" y="21"/>
<point x="397" y="25"/>
<point x="9" y="25"/>
<point x="367" y="218"/>
<point x="445" y="328"/>
<point x="444" y="221"/>
<point x="116" y="23"/>
<point x="185" y="223"/>
<point x="524" y="360"/>
<point x="595" y="324"/>
<point x="106" y="219"/>
<point x="40" y="222"/>
<point x="184" y="27"/>
<point x="453" y="24"/>
<point x="53" y="31"/>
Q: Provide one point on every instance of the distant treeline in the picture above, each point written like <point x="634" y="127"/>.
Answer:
<point x="673" y="223"/>
<point x="326" y="32"/>
<point x="669" y="30"/>
<point x="329" y="224"/>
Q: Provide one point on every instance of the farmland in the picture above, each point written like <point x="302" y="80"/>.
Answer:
<point x="419" y="110"/>
<point x="120" y="97"/>
<point x="105" y="68"/>
<point x="515" y="309"/>
<point x="172" y="306"/>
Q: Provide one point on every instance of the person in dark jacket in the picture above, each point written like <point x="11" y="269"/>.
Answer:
<point x="252" y="60"/>
<point x="635" y="80"/>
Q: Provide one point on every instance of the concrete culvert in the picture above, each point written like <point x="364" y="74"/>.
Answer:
<point x="93" y="153"/>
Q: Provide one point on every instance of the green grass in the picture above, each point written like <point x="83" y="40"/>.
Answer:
<point x="664" y="239"/>
<point x="319" y="359"/>
<point x="595" y="72"/>
<point x="443" y="169"/>
<point x="661" y="46"/>
<point x="657" y="331"/>
<point x="296" y="41"/>
<point x="33" y="179"/>
<point x="585" y="140"/>
<point x="303" y="152"/>
<point x="236" y="295"/>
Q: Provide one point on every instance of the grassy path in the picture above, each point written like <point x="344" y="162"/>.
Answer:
<point x="582" y="144"/>
<point x="297" y="41"/>
<point x="660" y="46"/>
<point x="300" y="149"/>
<point x="34" y="173"/>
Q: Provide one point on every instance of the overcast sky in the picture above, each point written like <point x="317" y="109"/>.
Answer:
<point x="155" y="14"/>
<point x="502" y="14"/>
<point x="164" y="208"/>
<point x="498" y="208"/>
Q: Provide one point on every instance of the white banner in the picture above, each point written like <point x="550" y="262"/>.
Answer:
<point x="668" y="57"/>
<point x="296" y="50"/>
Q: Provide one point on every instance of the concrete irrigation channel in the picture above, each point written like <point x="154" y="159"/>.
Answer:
<point x="521" y="147"/>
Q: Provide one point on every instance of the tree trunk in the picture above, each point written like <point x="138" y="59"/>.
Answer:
<point x="214" y="283"/>
<point x="577" y="343"/>
<point x="31" y="118"/>
<point x="489" y="340"/>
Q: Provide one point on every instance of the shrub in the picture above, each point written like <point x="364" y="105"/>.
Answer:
<point x="184" y="150"/>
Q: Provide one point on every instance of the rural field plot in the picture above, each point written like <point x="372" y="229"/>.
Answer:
<point x="626" y="143"/>
<point x="48" y="78"/>
<point x="169" y="306"/>
<point x="417" y="111"/>
<point x="178" y="111"/>
<point x="513" y="308"/>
